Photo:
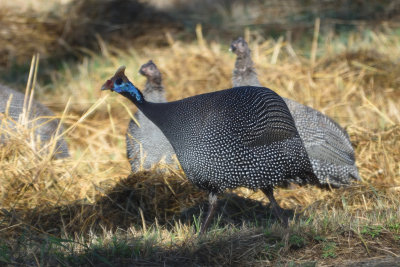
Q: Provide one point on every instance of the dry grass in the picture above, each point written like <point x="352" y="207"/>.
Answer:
<point x="88" y="210"/>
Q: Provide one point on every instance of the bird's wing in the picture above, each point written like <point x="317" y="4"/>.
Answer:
<point x="265" y="120"/>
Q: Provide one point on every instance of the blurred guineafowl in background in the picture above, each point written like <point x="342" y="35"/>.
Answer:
<point x="147" y="145"/>
<point x="244" y="73"/>
<point x="328" y="145"/>
<point x="40" y="118"/>
<point x="243" y="136"/>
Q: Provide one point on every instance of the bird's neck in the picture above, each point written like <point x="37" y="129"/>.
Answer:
<point x="155" y="81"/>
<point x="134" y="95"/>
<point x="154" y="92"/>
<point x="244" y="72"/>
<point x="244" y="62"/>
<point x="158" y="113"/>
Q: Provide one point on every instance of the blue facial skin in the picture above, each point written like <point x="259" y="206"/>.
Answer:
<point x="127" y="87"/>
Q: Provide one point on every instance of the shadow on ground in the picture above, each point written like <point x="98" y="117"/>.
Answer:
<point x="109" y="231"/>
<point x="143" y="198"/>
<point x="234" y="210"/>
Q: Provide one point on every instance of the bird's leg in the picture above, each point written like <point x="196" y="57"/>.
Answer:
<point x="212" y="199"/>
<point x="276" y="209"/>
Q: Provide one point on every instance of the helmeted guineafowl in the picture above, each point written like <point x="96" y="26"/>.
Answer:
<point x="243" y="136"/>
<point x="39" y="117"/>
<point x="147" y="145"/>
<point x="328" y="145"/>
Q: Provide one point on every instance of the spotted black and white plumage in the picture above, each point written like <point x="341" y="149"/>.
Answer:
<point x="328" y="145"/>
<point x="147" y="145"/>
<point x="39" y="117"/>
<point x="243" y="136"/>
<point x="239" y="137"/>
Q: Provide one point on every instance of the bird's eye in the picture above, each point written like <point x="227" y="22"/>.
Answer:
<point x="118" y="81"/>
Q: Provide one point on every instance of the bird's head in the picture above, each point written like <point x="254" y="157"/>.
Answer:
<point x="239" y="46"/>
<point x="121" y="84"/>
<point x="149" y="70"/>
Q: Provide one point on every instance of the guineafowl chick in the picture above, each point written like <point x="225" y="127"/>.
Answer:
<point x="46" y="128"/>
<point x="328" y="145"/>
<point x="243" y="136"/>
<point x="147" y="145"/>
